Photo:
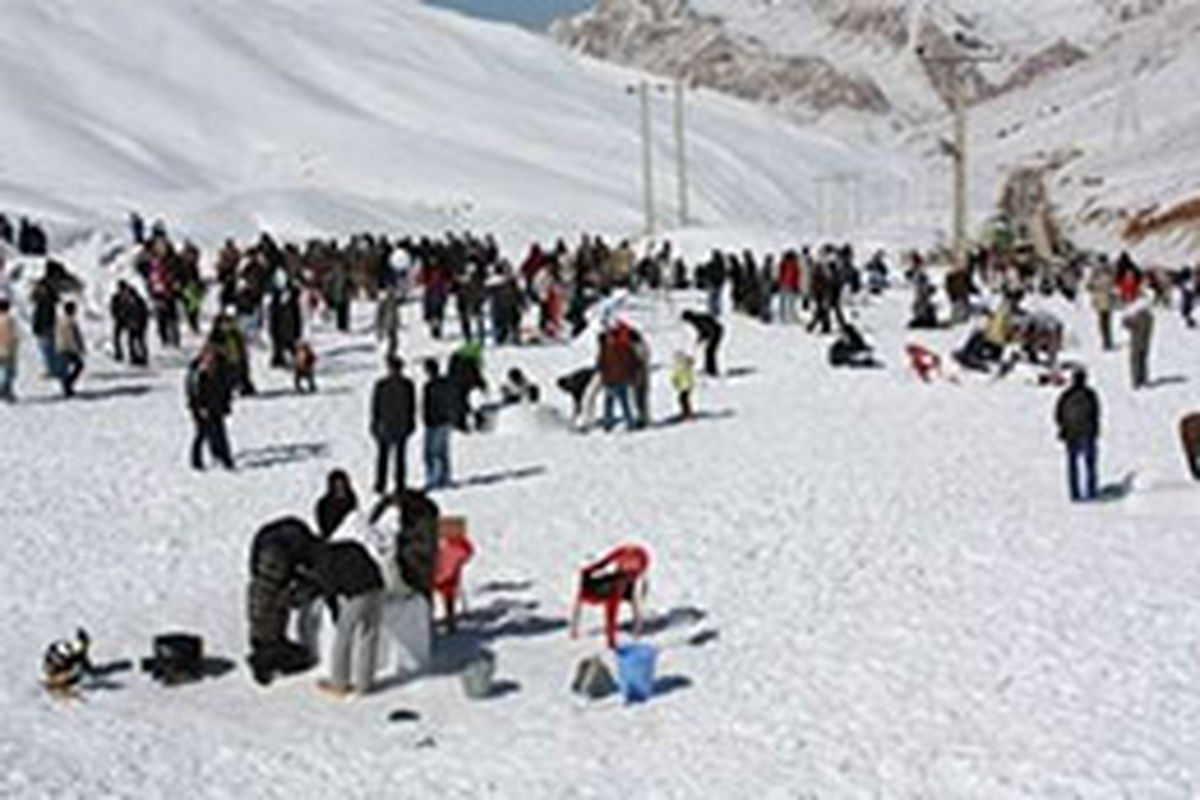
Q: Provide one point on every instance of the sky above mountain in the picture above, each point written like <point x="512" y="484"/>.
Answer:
<point x="530" y="13"/>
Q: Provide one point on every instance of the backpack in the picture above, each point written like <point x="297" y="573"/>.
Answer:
<point x="593" y="679"/>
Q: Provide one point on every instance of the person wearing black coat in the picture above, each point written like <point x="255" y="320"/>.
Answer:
<point x="393" y="419"/>
<point x="439" y="404"/>
<point x="45" y="316"/>
<point x="352" y="584"/>
<point x="1077" y="415"/>
<point x="208" y="395"/>
<point x="130" y="317"/>
<point x="338" y="502"/>
<point x="282" y="554"/>
<point x="709" y="333"/>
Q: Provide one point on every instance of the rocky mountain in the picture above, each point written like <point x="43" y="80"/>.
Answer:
<point x="814" y="57"/>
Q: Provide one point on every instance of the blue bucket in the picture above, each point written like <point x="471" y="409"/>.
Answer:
<point x="635" y="671"/>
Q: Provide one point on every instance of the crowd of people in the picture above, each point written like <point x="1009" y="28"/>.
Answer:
<point x="361" y="565"/>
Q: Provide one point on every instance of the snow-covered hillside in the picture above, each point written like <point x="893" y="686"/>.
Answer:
<point x="334" y="116"/>
<point x="863" y="586"/>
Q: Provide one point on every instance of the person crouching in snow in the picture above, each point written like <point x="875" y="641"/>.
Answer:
<point x="683" y="380"/>
<point x="304" y="368"/>
<point x="282" y="553"/>
<point x="582" y="385"/>
<point x="709" y="333"/>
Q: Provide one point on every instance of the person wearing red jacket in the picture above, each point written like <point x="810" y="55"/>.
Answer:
<point x="789" y="287"/>
<point x="618" y="366"/>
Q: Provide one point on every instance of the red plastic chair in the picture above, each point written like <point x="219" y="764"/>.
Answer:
<point x="924" y="361"/>
<point x="615" y="578"/>
<point x="454" y="551"/>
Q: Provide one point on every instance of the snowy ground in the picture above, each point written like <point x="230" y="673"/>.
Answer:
<point x="903" y="603"/>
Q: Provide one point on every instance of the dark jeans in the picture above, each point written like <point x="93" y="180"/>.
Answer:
<point x="70" y="367"/>
<point x="1106" y="337"/>
<point x="137" y="348"/>
<point x="613" y="396"/>
<point x="437" y="457"/>
<point x="710" y="355"/>
<point x="390" y="450"/>
<point x="136" y="344"/>
<point x="685" y="405"/>
<point x="211" y="429"/>
<point x="1085" y="451"/>
<point x="1139" y="364"/>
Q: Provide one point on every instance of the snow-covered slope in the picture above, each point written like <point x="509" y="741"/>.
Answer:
<point x="336" y="116"/>
<point x="863" y="586"/>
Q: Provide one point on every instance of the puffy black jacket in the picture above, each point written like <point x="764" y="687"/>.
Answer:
<point x="393" y="409"/>
<point x="1078" y="414"/>
<point x="345" y="569"/>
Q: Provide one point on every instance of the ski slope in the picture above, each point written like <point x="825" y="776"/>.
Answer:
<point x="322" y="116"/>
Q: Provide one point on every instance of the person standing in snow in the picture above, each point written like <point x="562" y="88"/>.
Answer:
<point x="709" y="334"/>
<point x="352" y="583"/>
<point x="1139" y="321"/>
<point x="1077" y="415"/>
<point x="9" y="345"/>
<point x="387" y="320"/>
<point x="683" y="380"/>
<point x="208" y="396"/>
<point x="438" y="403"/>
<point x="130" y="316"/>
<point x="465" y="373"/>
<point x="618" y="368"/>
<point x="393" y="419"/>
<point x="789" y="287"/>
<point x="1100" y="288"/>
<point x="45" y="313"/>
<point x="338" y="502"/>
<point x="69" y="348"/>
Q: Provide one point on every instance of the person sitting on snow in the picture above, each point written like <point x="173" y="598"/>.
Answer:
<point x="851" y="349"/>
<point x="517" y="388"/>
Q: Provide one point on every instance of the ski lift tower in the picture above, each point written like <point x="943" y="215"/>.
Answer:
<point x="967" y="50"/>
